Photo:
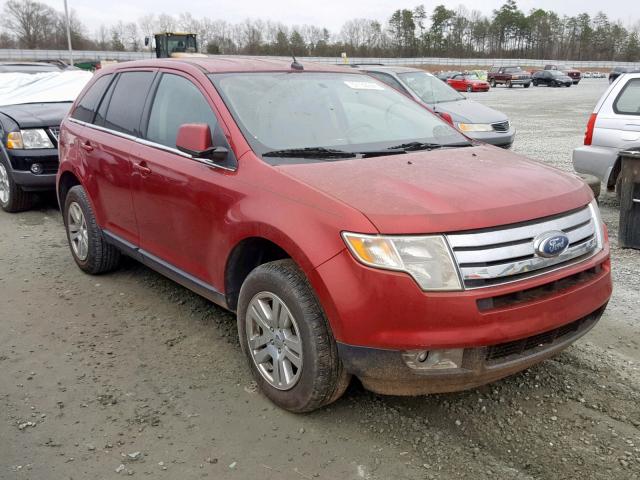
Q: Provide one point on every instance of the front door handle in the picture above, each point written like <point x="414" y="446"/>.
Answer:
<point x="142" y="167"/>
<point x="86" y="146"/>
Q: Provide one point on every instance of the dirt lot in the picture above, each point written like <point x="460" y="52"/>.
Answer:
<point x="129" y="373"/>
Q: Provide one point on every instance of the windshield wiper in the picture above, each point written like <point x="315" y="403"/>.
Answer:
<point x="310" y="152"/>
<point x="414" y="146"/>
<point x="410" y="146"/>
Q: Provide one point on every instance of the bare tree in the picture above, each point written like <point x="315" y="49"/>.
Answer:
<point x="165" y="23"/>
<point x="31" y="22"/>
<point x="147" y="25"/>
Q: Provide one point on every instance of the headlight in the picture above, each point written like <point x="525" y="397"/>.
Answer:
<point x="595" y="214"/>
<point x="475" y="127"/>
<point x="426" y="258"/>
<point x="32" y="138"/>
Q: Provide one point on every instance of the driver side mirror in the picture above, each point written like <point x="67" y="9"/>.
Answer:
<point x="195" y="140"/>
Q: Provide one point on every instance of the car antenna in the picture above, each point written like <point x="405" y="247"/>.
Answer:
<point x="295" y="65"/>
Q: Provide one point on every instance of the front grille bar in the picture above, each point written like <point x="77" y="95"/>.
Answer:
<point x="491" y="257"/>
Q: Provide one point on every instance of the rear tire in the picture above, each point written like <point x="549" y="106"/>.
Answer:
<point x="469" y="89"/>
<point x="88" y="247"/>
<point x="527" y="85"/>
<point x="509" y="84"/>
<point x="13" y="198"/>
<point x="320" y="378"/>
<point x="493" y="83"/>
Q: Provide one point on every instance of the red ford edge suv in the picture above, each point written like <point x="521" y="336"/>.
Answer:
<point x="353" y="232"/>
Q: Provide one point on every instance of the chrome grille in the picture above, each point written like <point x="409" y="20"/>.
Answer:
<point x="55" y="132"/>
<point x="501" y="126"/>
<point x="507" y="254"/>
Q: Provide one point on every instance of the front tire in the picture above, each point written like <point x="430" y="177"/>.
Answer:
<point x="509" y="84"/>
<point x="287" y="339"/>
<point x="493" y="83"/>
<point x="88" y="247"/>
<point x="469" y="89"/>
<point x="13" y="198"/>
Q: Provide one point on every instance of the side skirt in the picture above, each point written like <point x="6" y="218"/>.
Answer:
<point x="168" y="270"/>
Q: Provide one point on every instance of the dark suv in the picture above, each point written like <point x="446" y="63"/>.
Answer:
<point x="29" y="126"/>
<point x="617" y="71"/>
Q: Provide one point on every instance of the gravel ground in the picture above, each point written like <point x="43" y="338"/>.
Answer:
<point x="130" y="374"/>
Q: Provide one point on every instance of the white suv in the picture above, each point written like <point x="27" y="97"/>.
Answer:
<point x="614" y="126"/>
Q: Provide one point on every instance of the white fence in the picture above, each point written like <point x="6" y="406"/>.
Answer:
<point x="15" y="54"/>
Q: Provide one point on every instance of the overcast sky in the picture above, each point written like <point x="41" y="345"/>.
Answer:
<point x="323" y="13"/>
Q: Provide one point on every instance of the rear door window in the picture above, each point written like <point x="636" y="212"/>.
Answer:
<point x="86" y="108"/>
<point x="125" y="106"/>
<point x="628" y="102"/>
<point x="177" y="101"/>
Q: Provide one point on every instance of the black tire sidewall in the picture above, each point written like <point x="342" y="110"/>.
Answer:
<point x="78" y="195"/>
<point x="18" y="200"/>
<point x="297" y="298"/>
<point x="11" y="183"/>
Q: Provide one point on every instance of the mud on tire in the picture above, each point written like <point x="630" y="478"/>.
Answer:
<point x="322" y="379"/>
<point x="101" y="257"/>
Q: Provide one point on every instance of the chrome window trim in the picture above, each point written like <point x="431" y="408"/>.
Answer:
<point x="103" y="129"/>
<point x="159" y="146"/>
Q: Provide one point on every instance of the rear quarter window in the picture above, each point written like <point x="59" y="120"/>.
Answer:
<point x="628" y="101"/>
<point x="86" y="108"/>
<point x="124" y="111"/>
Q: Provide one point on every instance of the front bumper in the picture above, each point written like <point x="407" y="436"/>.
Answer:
<point x="520" y="81"/>
<point x="386" y="371"/>
<point x="498" y="139"/>
<point x="21" y="162"/>
<point x="594" y="160"/>
<point x="376" y="315"/>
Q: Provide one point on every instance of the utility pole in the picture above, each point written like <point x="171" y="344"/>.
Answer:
<point x="66" y="12"/>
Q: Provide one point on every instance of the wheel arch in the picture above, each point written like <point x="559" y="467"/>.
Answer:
<point x="66" y="181"/>
<point x="247" y="254"/>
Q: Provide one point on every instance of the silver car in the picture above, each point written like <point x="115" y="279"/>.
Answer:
<point x="474" y="119"/>
<point x="614" y="126"/>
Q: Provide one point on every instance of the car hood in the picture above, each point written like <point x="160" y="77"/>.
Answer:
<point x="445" y="190"/>
<point x="468" y="111"/>
<point x="32" y="115"/>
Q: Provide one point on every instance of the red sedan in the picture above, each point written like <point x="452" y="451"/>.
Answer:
<point x="465" y="82"/>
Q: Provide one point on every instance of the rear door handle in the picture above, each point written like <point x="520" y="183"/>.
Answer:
<point x="86" y="146"/>
<point x="142" y="168"/>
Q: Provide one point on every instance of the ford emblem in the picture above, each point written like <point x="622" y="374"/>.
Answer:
<point x="550" y="244"/>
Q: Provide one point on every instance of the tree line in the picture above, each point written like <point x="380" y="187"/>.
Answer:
<point x="508" y="32"/>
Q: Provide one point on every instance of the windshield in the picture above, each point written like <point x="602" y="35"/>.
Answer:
<point x="513" y="70"/>
<point x="181" y="44"/>
<point x="430" y="89"/>
<point x="348" y="112"/>
<point x="472" y="76"/>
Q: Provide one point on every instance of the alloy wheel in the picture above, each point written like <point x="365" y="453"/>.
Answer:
<point x="274" y="340"/>
<point x="4" y="185"/>
<point x="78" y="234"/>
